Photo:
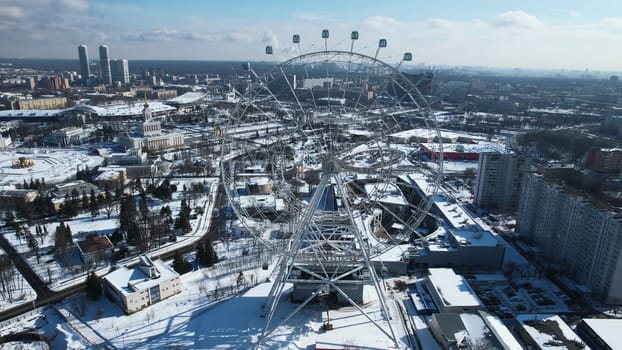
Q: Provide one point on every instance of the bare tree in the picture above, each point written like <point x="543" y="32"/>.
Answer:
<point x="7" y="278"/>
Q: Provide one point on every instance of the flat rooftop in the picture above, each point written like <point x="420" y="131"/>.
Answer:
<point x="453" y="213"/>
<point x="453" y="289"/>
<point x="475" y="238"/>
<point x="548" y="331"/>
<point x="607" y="329"/>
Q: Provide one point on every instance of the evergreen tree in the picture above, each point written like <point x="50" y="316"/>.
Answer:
<point x="94" y="204"/>
<point x="179" y="264"/>
<point x="144" y="210"/>
<point x="183" y="220"/>
<point x="127" y="213"/>
<point x="62" y="239"/>
<point x="93" y="286"/>
<point x="85" y="200"/>
<point x="206" y="255"/>
<point x="116" y="237"/>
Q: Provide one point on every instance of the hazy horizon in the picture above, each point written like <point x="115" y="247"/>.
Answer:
<point x="535" y="35"/>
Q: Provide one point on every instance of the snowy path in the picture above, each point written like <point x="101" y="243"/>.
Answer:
<point x="82" y="329"/>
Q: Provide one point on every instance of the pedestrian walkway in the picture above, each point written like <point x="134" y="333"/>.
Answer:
<point x="84" y="330"/>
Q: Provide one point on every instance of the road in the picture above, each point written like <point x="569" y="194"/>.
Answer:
<point x="44" y="294"/>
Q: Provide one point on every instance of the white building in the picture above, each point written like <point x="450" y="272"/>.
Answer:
<point x="498" y="180"/>
<point x="451" y="292"/>
<point x="582" y="236"/>
<point x="68" y="136"/>
<point x="149" y="135"/>
<point x="146" y="284"/>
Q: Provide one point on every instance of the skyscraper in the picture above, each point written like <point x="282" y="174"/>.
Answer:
<point x="85" y="69"/>
<point x="104" y="62"/>
<point x="120" y="71"/>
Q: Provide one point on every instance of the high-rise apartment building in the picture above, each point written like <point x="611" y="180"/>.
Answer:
<point x="582" y="236"/>
<point x="85" y="69"/>
<point x="498" y="180"/>
<point x="120" y="71"/>
<point x="104" y="61"/>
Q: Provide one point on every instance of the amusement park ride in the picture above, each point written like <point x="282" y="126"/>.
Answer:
<point x="332" y="114"/>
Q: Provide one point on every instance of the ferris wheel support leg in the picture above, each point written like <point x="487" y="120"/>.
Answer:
<point x="368" y="263"/>
<point x="288" y="259"/>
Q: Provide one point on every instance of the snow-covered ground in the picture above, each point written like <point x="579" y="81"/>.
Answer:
<point x="18" y="290"/>
<point x="47" y="321"/>
<point x="53" y="165"/>
<point x="192" y="318"/>
<point x="187" y="321"/>
<point x="61" y="274"/>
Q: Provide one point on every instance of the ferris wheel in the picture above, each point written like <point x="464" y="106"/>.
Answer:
<point x="314" y="156"/>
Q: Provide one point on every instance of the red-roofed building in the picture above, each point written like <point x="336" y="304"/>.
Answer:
<point x="95" y="249"/>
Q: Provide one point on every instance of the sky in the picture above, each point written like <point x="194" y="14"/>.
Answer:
<point x="551" y="34"/>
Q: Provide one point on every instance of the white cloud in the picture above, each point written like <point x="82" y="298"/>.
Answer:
<point x="167" y="34"/>
<point x="76" y="5"/>
<point x="12" y="12"/>
<point x="568" y="13"/>
<point x="613" y="22"/>
<point x="516" y="19"/>
<point x="382" y="23"/>
<point x="439" y="23"/>
<point x="269" y="37"/>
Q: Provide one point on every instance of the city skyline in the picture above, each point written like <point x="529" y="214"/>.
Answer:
<point x="527" y="34"/>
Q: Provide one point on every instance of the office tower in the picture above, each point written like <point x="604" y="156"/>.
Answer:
<point x="581" y="235"/>
<point x="498" y="180"/>
<point x="85" y="69"/>
<point x="120" y="71"/>
<point x="104" y="61"/>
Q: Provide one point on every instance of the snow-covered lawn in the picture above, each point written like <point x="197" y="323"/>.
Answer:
<point x="60" y="274"/>
<point x="17" y="292"/>
<point x="168" y="322"/>
<point x="53" y="165"/>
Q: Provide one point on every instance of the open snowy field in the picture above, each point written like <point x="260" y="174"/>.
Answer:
<point x="53" y="165"/>
<point x="187" y="320"/>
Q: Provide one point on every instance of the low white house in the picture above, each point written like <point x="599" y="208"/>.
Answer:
<point x="451" y="292"/>
<point x="146" y="284"/>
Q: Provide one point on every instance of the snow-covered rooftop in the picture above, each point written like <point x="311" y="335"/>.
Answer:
<point x="476" y="237"/>
<point x="548" y="331"/>
<point x="25" y="113"/>
<point x="453" y="289"/>
<point x="386" y="193"/>
<point x="261" y="202"/>
<point x="123" y="277"/>
<point x="480" y="147"/>
<point x="124" y="109"/>
<point x="187" y="98"/>
<point x="453" y="213"/>
<point x="607" y="329"/>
